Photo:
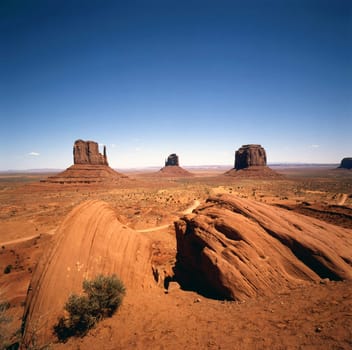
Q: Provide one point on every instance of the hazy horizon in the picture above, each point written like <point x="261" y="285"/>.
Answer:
<point x="196" y="78"/>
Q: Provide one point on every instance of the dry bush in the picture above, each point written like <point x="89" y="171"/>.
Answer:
<point x="104" y="295"/>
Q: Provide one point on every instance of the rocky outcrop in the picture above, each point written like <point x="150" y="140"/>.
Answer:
<point x="172" y="168"/>
<point x="88" y="174"/>
<point x="89" y="242"/>
<point x="90" y="167"/>
<point x="346" y="163"/>
<point x="250" y="162"/>
<point x="250" y="155"/>
<point x="235" y="249"/>
<point x="172" y="160"/>
<point x="87" y="152"/>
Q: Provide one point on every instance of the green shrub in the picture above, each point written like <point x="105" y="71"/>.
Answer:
<point x="105" y="293"/>
<point x="8" y="269"/>
<point x="103" y="296"/>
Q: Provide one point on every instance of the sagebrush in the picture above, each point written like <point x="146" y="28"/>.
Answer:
<point x="103" y="296"/>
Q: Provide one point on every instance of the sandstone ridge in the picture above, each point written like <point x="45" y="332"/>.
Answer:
<point x="90" y="241"/>
<point x="235" y="249"/>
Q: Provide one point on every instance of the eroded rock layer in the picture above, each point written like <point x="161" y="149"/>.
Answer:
<point x="87" y="174"/>
<point x="173" y="171"/>
<point x="90" y="241"/>
<point x="90" y="167"/>
<point x="87" y="152"/>
<point x="235" y="248"/>
<point x="250" y="155"/>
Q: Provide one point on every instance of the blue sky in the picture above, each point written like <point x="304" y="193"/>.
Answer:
<point x="198" y="78"/>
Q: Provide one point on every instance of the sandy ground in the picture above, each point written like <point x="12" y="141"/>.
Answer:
<point x="313" y="316"/>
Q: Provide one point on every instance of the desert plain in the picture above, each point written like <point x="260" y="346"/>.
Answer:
<point x="309" y="315"/>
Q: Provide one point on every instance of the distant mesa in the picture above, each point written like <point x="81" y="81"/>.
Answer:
<point x="250" y="161"/>
<point x="172" y="160"/>
<point x="87" y="152"/>
<point x="250" y="155"/>
<point x="235" y="248"/>
<point x="90" y="166"/>
<point x="346" y="163"/>
<point x="172" y="168"/>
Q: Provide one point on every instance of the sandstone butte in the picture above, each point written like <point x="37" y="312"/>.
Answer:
<point x="234" y="248"/>
<point x="172" y="168"/>
<point x="90" y="241"/>
<point x="346" y="163"/>
<point x="90" y="167"/>
<point x="250" y="161"/>
<point x="228" y="248"/>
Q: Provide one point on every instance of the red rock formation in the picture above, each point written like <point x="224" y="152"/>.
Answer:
<point x="172" y="168"/>
<point x="173" y="171"/>
<point x="172" y="160"/>
<point x="234" y="248"/>
<point x="90" y="167"/>
<point x="87" y="152"/>
<point x="90" y="241"/>
<point x="250" y="155"/>
<point x="250" y="162"/>
<point x="346" y="163"/>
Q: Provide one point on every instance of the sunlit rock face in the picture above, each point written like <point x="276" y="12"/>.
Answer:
<point x="250" y="155"/>
<point x="235" y="248"/>
<point x="87" y="152"/>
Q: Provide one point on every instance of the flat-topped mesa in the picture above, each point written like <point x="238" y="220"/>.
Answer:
<point x="346" y="163"/>
<point x="250" y="162"/>
<point x="172" y="160"/>
<point x="250" y="155"/>
<point x="87" y="152"/>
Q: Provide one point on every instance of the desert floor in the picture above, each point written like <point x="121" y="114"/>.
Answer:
<point x="314" y="316"/>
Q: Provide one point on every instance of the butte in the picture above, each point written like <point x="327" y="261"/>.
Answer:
<point x="250" y="162"/>
<point x="90" y="167"/>
<point x="172" y="168"/>
<point x="346" y="163"/>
